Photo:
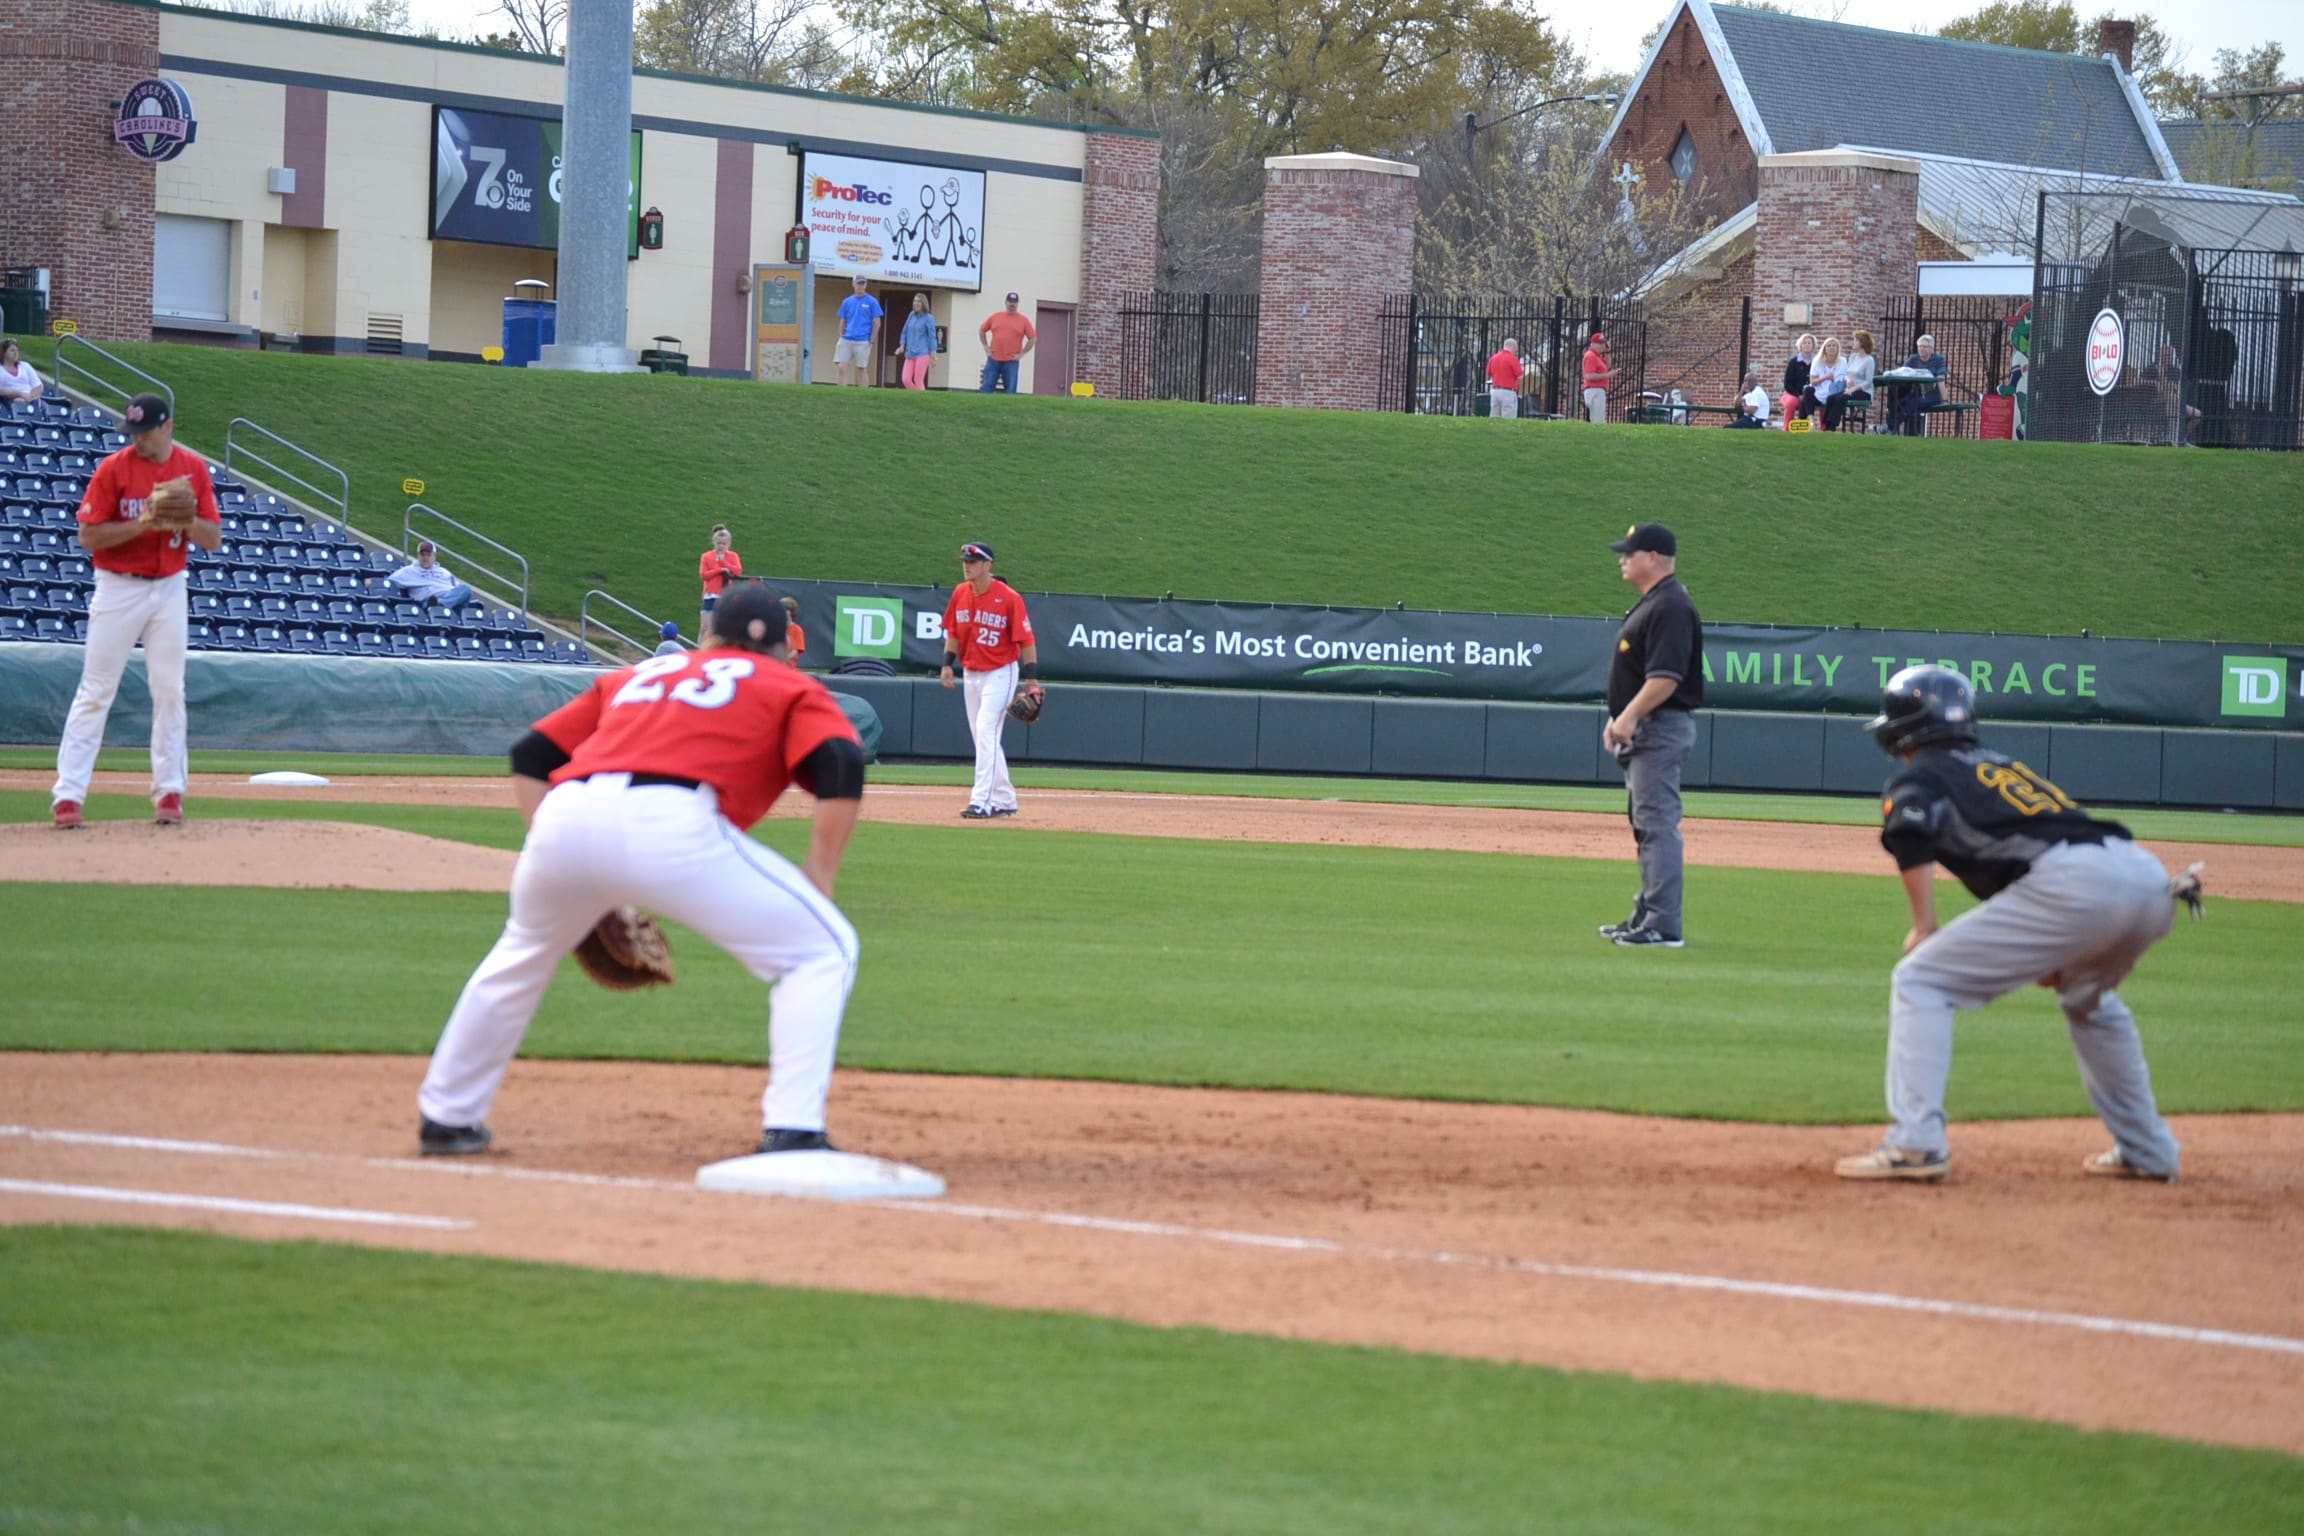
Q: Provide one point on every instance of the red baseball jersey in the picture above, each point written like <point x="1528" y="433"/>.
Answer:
<point x="716" y="568"/>
<point x="991" y="628"/>
<point x="728" y="718"/>
<point x="116" y="493"/>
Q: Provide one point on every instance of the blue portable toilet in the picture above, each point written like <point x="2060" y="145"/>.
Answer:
<point x="530" y="322"/>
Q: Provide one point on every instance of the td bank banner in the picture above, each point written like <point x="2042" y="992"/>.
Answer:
<point x="1565" y="660"/>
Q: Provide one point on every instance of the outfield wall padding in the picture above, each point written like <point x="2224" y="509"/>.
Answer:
<point x="368" y="704"/>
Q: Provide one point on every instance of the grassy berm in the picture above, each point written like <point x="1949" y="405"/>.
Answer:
<point x="615" y="482"/>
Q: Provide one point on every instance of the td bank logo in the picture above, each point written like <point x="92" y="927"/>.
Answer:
<point x="868" y="626"/>
<point x="2256" y="685"/>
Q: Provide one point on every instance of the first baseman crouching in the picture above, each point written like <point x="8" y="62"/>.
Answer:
<point x="639" y="792"/>
<point x="2064" y="901"/>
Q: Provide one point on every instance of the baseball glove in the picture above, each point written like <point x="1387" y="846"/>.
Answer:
<point x="626" y="950"/>
<point x="173" y="505"/>
<point x="1026" y="705"/>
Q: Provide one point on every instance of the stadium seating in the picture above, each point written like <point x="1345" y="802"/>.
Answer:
<point x="279" y="582"/>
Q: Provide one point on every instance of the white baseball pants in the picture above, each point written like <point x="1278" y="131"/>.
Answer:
<point x="989" y="694"/>
<point x="124" y="610"/>
<point x="601" y="842"/>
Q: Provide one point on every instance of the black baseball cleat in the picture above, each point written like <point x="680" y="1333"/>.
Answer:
<point x="1003" y="810"/>
<point x="977" y="813"/>
<point x="796" y="1141"/>
<point x="1613" y="930"/>
<point x="1646" y="938"/>
<point x="437" y="1140"/>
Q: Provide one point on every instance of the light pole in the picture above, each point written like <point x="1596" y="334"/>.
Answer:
<point x="1473" y="127"/>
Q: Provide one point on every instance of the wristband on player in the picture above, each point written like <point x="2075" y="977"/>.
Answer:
<point x="1031" y="671"/>
<point x="952" y="661"/>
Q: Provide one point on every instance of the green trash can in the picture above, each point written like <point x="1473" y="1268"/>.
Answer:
<point x="1480" y="403"/>
<point x="23" y="312"/>
<point x="664" y="357"/>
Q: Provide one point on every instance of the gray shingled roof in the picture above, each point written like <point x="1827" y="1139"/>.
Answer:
<point x="2279" y="146"/>
<point x="1820" y="84"/>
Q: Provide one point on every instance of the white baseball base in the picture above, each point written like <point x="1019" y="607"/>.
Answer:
<point x="819" y="1176"/>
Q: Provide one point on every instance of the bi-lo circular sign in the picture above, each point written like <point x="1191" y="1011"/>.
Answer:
<point x="155" y="120"/>
<point x="2107" y="348"/>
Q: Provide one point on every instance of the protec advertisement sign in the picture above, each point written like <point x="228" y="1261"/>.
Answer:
<point x="496" y="180"/>
<point x="1565" y="660"/>
<point x="892" y="221"/>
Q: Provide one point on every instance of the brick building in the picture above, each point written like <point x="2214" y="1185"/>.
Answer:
<point x="1833" y="159"/>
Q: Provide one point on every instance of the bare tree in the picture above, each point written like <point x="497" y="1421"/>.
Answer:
<point x="541" y="26"/>
<point x="735" y="39"/>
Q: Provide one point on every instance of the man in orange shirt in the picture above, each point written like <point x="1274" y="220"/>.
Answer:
<point x="988" y="644"/>
<point x="640" y="790"/>
<point x="1007" y="336"/>
<point x="142" y="593"/>
<point x="1504" y="374"/>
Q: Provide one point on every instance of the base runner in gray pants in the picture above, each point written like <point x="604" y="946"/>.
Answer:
<point x="2066" y="901"/>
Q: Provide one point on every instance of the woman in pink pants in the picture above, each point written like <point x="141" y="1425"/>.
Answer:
<point x="919" y="343"/>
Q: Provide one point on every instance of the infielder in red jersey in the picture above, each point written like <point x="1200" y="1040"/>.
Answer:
<point x="639" y="791"/>
<point x="988" y="643"/>
<point x="142" y="593"/>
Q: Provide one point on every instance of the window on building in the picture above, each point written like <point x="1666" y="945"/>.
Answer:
<point x="1684" y="157"/>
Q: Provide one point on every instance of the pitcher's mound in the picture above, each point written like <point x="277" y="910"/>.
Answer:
<point x="314" y="855"/>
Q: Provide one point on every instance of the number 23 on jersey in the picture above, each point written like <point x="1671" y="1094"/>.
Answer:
<point x="711" y="691"/>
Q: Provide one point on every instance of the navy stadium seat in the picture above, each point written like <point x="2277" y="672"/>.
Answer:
<point x="14" y="626"/>
<point x="470" y="649"/>
<point x="206" y="605"/>
<point x="53" y="630"/>
<point x="303" y="637"/>
<point x="307" y="610"/>
<point x="15" y="539"/>
<point x="199" y="632"/>
<point x="342" y="611"/>
<point x="76" y="568"/>
<point x="311" y="583"/>
<point x="287" y="554"/>
<point x="24" y="600"/>
<point x="535" y="649"/>
<point x="403" y="643"/>
<point x="65" y="600"/>
<point x="268" y="637"/>
<point x="40" y="566"/>
<point x="437" y="646"/>
<point x="232" y="636"/>
<point x="274" y="609"/>
<point x="247" y="578"/>
<point x="80" y="631"/>
<point x="210" y="577"/>
<point x="282" y="582"/>
<point x="501" y="649"/>
<point x="326" y="533"/>
<point x="337" y="641"/>
<point x="259" y="525"/>
<point x="368" y="642"/>
<point x="375" y="613"/>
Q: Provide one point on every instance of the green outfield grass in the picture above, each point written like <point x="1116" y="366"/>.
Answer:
<point x="1841" y="810"/>
<point x="1372" y="971"/>
<point x="210" y="1385"/>
<point x="616" y="481"/>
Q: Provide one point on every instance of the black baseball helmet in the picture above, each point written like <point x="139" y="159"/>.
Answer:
<point x="1924" y="707"/>
<point x="749" y="617"/>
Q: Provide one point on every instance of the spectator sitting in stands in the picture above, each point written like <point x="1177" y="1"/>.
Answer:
<point x="428" y="581"/>
<point x="1752" y="407"/>
<point x="668" y="643"/>
<point x="1856" y="376"/>
<point x="1825" y="378"/>
<point x="18" y="379"/>
<point x="1911" y="404"/>
<point x="1796" y="373"/>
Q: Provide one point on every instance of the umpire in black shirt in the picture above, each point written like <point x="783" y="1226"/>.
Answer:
<point x="1654" y="680"/>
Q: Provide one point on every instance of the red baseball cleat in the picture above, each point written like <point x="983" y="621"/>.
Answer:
<point x="67" y="815"/>
<point x="170" y="811"/>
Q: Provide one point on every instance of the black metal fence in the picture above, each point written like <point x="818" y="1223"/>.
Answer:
<point x="1434" y="351"/>
<point x="1189" y="346"/>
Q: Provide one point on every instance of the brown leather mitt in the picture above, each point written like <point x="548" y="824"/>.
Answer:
<point x="172" y="505"/>
<point x="1026" y="705"/>
<point x="626" y="950"/>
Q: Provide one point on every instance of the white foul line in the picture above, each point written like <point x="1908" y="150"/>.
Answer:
<point x="234" y="1207"/>
<point x="1663" y="1279"/>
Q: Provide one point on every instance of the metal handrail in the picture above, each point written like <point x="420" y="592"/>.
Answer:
<point x="409" y="538"/>
<point x="66" y="364"/>
<point x="585" y="621"/>
<point x="235" y="451"/>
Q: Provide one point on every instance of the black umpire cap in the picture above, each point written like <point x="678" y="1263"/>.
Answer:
<point x="1654" y="538"/>
<point x="750" y="617"/>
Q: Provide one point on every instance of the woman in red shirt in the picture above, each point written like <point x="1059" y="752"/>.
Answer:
<point x="719" y="566"/>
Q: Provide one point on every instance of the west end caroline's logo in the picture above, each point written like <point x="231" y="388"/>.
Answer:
<point x="155" y="120"/>
<point x="2256" y="686"/>
<point x="868" y="626"/>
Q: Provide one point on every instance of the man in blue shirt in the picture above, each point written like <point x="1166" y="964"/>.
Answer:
<point x="860" y="318"/>
<point x="1909" y="416"/>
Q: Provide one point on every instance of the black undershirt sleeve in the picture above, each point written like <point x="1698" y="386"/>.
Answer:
<point x="537" y="756"/>
<point x="834" y="771"/>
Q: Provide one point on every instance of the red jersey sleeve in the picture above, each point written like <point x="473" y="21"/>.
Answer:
<point x="204" y="486"/>
<point x="816" y="718"/>
<point x="100" y="502"/>
<point x="573" y="722"/>
<point x="1023" y="626"/>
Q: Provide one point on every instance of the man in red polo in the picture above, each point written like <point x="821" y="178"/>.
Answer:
<point x="1504" y="375"/>
<point x="141" y="594"/>
<point x="1599" y="373"/>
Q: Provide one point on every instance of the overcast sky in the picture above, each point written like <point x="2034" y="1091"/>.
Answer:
<point x="1610" y="33"/>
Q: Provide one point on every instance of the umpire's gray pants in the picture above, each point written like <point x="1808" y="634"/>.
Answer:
<point x="1652" y="798"/>
<point x="2085" y="913"/>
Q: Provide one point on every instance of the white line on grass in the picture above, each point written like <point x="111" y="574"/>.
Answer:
<point x="234" y="1207"/>
<point x="1775" y="1290"/>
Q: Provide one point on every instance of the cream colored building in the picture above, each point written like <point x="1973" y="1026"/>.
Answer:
<point x="301" y="214"/>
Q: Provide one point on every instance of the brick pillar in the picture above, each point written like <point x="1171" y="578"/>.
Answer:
<point x="1839" y="231"/>
<point x="1119" y="245"/>
<point x="1339" y="239"/>
<point x="78" y="204"/>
